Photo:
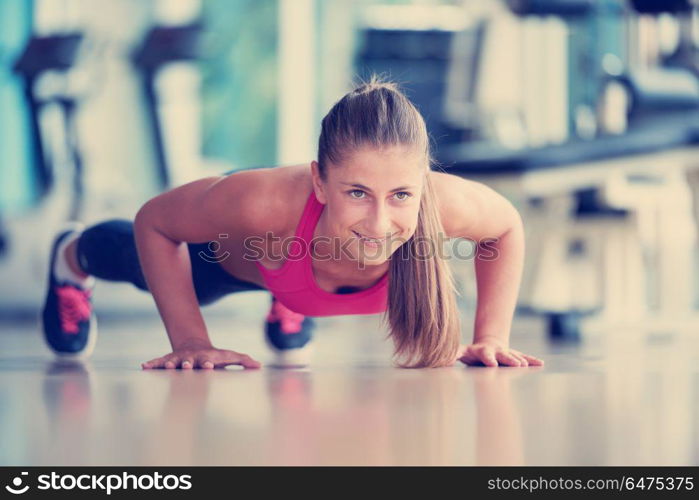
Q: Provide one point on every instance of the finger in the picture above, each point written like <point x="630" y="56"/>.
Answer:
<point x="235" y="358"/>
<point x="533" y="361"/>
<point x="153" y="363"/>
<point x="488" y="357"/>
<point x="172" y="362"/>
<point x="520" y="360"/>
<point x="507" y="359"/>
<point x="247" y="362"/>
<point x="187" y="363"/>
<point x="204" y="362"/>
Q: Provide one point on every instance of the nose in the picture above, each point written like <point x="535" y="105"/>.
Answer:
<point x="379" y="223"/>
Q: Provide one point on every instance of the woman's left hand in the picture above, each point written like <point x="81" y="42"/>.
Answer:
<point x="492" y="353"/>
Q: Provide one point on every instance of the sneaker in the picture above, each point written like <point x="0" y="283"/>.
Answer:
<point x="69" y="325"/>
<point x="288" y="335"/>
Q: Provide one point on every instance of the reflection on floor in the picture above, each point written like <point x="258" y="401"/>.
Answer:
<point x="620" y="400"/>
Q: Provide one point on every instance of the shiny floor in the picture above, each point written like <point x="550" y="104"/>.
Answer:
<point x="622" y="399"/>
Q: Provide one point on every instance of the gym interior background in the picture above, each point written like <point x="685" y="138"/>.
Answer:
<point x="583" y="113"/>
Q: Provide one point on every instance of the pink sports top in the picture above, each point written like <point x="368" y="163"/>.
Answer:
<point x="294" y="285"/>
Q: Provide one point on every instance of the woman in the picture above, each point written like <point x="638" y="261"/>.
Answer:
<point x="357" y="232"/>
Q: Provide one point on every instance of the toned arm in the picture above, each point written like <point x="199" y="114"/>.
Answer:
<point x="193" y="213"/>
<point x="472" y="210"/>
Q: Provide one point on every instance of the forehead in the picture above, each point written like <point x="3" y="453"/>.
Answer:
<point x="376" y="167"/>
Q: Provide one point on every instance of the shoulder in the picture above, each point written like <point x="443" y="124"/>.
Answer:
<point x="245" y="203"/>
<point x="470" y="209"/>
<point x="267" y="199"/>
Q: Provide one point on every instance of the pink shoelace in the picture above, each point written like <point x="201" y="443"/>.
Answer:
<point x="73" y="307"/>
<point x="290" y="320"/>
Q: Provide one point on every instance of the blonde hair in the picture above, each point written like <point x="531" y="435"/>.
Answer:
<point x="422" y="313"/>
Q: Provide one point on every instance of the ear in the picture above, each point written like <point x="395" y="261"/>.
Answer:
<point x="318" y="183"/>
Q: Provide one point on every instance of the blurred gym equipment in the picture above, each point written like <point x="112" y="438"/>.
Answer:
<point x="17" y="185"/>
<point x="439" y="65"/>
<point x="617" y="203"/>
<point x="101" y="143"/>
<point x="551" y="186"/>
<point x="165" y="46"/>
<point x="655" y="81"/>
<point x="45" y="67"/>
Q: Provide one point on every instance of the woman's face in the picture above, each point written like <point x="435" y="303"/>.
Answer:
<point x="372" y="200"/>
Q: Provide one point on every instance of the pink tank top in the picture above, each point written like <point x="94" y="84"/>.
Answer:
<point x="295" y="286"/>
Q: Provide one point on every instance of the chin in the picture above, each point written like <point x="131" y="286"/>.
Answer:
<point x="374" y="262"/>
<point x="373" y="258"/>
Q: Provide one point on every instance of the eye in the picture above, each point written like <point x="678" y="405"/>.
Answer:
<point x="351" y="193"/>
<point x="405" y="196"/>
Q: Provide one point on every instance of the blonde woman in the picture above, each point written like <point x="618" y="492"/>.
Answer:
<point x="356" y="232"/>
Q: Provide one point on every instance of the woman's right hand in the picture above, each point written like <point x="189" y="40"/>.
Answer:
<point x="200" y="355"/>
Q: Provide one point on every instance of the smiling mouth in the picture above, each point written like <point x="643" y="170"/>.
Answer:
<point x="371" y="240"/>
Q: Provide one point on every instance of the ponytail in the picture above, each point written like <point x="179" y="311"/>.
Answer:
<point x="422" y="313"/>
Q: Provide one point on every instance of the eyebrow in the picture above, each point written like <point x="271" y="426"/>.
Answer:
<point x="362" y="186"/>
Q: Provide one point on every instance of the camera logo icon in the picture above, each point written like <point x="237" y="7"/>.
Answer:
<point x="17" y="482"/>
<point x="214" y="246"/>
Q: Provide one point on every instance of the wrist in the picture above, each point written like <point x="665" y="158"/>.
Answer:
<point x="191" y="343"/>
<point x="490" y="339"/>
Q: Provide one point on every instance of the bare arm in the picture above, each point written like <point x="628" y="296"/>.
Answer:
<point x="193" y="213"/>
<point x="167" y="269"/>
<point x="494" y="225"/>
<point x="474" y="211"/>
